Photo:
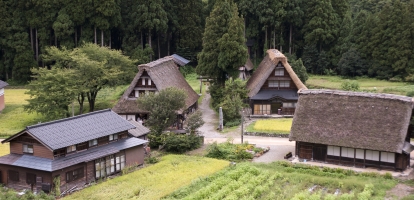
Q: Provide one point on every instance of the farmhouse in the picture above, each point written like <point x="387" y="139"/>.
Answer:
<point x="76" y="150"/>
<point x="2" y="102"/>
<point x="353" y="128"/>
<point x="273" y="86"/>
<point x="246" y="70"/>
<point x="152" y="77"/>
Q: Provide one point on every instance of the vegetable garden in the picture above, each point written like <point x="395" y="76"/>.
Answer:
<point x="275" y="126"/>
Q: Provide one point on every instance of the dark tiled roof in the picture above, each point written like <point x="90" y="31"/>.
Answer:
<point x="269" y="94"/>
<point x="3" y="84"/>
<point x="49" y="165"/>
<point x="74" y="130"/>
<point x="352" y="119"/>
<point x="180" y="60"/>
<point x="140" y="130"/>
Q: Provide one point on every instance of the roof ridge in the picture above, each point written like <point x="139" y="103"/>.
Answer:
<point x="156" y="62"/>
<point x="67" y="119"/>
<point x="356" y="93"/>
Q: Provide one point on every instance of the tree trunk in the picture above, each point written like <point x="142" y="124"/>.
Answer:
<point x="94" y="28"/>
<point x="149" y="42"/>
<point x="55" y="39"/>
<point x="290" y="39"/>
<point x="110" y="39"/>
<point x="102" y="38"/>
<point x="159" y="50"/>
<point x="266" y="45"/>
<point x="76" y="36"/>
<point x="81" y="99"/>
<point x="142" y="43"/>
<point x="37" y="47"/>
<point x="168" y="44"/>
<point x="31" y="39"/>
<point x="280" y="42"/>
<point x="274" y="38"/>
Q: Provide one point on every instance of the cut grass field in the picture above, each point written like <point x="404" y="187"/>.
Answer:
<point x="283" y="180"/>
<point x="276" y="126"/>
<point x="155" y="181"/>
<point x="370" y="84"/>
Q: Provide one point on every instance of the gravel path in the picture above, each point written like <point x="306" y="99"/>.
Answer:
<point x="209" y="129"/>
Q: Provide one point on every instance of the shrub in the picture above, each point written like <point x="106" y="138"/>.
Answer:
<point x="229" y="151"/>
<point x="350" y="85"/>
<point x="194" y="121"/>
<point x="181" y="143"/>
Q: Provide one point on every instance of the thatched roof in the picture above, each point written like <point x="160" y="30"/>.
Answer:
<point x="3" y="84"/>
<point x="164" y="73"/>
<point x="352" y="119"/>
<point x="266" y="67"/>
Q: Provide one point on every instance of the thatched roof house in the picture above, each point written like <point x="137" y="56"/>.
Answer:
<point x="245" y="71"/>
<point x="274" y="85"/>
<point x="152" y="77"/>
<point x="353" y="128"/>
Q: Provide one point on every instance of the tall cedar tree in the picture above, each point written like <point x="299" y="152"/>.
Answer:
<point x="217" y="25"/>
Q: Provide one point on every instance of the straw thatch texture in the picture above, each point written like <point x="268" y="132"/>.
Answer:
<point x="164" y="73"/>
<point x="352" y="119"/>
<point x="266" y="67"/>
<point x="249" y="65"/>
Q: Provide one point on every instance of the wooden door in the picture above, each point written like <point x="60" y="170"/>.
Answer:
<point x="305" y="151"/>
<point x="319" y="152"/>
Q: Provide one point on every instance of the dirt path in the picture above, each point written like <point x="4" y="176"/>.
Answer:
<point x="209" y="129"/>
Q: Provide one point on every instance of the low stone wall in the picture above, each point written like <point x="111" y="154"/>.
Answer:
<point x="267" y="134"/>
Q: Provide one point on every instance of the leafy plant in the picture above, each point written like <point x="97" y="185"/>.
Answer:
<point x="350" y="85"/>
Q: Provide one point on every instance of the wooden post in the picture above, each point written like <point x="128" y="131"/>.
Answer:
<point x="365" y="155"/>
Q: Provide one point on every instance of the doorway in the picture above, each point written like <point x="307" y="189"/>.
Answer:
<point x="275" y="107"/>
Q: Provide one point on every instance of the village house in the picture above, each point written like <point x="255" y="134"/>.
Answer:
<point x="2" y="101"/>
<point x="353" y="128"/>
<point x="153" y="77"/>
<point x="273" y="86"/>
<point x="245" y="71"/>
<point x="76" y="150"/>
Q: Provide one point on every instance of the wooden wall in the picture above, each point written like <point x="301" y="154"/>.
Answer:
<point x="21" y="184"/>
<point x="16" y="146"/>
<point x="134" y="155"/>
<point x="62" y="173"/>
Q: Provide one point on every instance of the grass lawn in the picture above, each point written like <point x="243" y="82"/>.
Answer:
<point x="155" y="181"/>
<point x="195" y="84"/>
<point x="277" y="126"/>
<point x="334" y="82"/>
<point x="283" y="180"/>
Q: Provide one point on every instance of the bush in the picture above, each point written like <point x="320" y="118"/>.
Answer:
<point x="350" y="85"/>
<point x="233" y="123"/>
<point x="181" y="143"/>
<point x="229" y="151"/>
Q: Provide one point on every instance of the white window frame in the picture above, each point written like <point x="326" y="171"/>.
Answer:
<point x="113" y="137"/>
<point x="388" y="157"/>
<point x="143" y="81"/>
<point x="334" y="151"/>
<point x="93" y="142"/>
<point x="347" y="152"/>
<point x="27" y="148"/>
<point x="372" y="155"/>
<point x="279" y="72"/>
<point x="284" y="84"/>
<point x="273" y="84"/>
<point x="359" y="154"/>
<point x="71" y="148"/>
<point x="149" y="81"/>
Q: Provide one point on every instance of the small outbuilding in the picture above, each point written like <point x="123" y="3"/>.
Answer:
<point x="245" y="71"/>
<point x="2" y="101"/>
<point x="273" y="86"/>
<point x="353" y="128"/>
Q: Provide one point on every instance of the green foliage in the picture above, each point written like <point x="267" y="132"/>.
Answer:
<point x="298" y="67"/>
<point x="194" y="121"/>
<point x="349" y="85"/>
<point x="186" y="70"/>
<point x="229" y="151"/>
<point x="162" y="108"/>
<point x="351" y="64"/>
<point x="56" y="184"/>
<point x="180" y="143"/>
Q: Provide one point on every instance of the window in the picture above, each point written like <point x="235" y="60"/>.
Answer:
<point x="27" y="148"/>
<point x="388" y="157"/>
<point x="71" y="148"/>
<point x="149" y="81"/>
<point x="284" y="84"/>
<point x="93" y="142"/>
<point x="82" y="146"/>
<point x="100" y="168"/>
<point x="113" y="137"/>
<point x="143" y="81"/>
<point x="110" y="164"/>
<point x="334" y="151"/>
<point x="103" y="140"/>
<point x="13" y="175"/>
<point x="59" y="152"/>
<point x="30" y="178"/>
<point x="289" y="105"/>
<point x="359" y="154"/>
<point x="372" y="155"/>
<point x="279" y="72"/>
<point x="347" y="152"/>
<point x="74" y="175"/>
<point x="260" y="109"/>
<point x="274" y="84"/>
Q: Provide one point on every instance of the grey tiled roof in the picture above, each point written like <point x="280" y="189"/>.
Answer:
<point x="139" y="130"/>
<point x="180" y="60"/>
<point x="74" y="130"/>
<point x="3" y="84"/>
<point x="268" y="94"/>
<point x="44" y="164"/>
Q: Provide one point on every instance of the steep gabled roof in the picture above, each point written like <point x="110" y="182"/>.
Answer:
<point x="266" y="67"/>
<point x="179" y="60"/>
<point x="352" y="119"/>
<point x="164" y="73"/>
<point x="74" y="130"/>
<point x="3" y="84"/>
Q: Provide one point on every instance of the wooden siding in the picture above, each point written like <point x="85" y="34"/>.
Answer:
<point x="318" y="152"/>
<point x="16" y="147"/>
<point x="273" y="77"/>
<point x="62" y="173"/>
<point x="41" y="151"/>
<point x="134" y="155"/>
<point x="21" y="184"/>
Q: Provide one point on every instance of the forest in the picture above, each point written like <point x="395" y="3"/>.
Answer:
<point x="373" y="38"/>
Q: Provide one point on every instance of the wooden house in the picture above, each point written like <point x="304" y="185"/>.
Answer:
<point x="77" y="150"/>
<point x="140" y="131"/>
<point x="153" y="77"/>
<point x="2" y="101"/>
<point x="273" y="86"/>
<point x="245" y="71"/>
<point x="353" y="128"/>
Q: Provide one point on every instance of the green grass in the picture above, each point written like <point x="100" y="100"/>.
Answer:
<point x="275" y="126"/>
<point x="155" y="181"/>
<point x="195" y="84"/>
<point x="370" y="84"/>
<point x="282" y="180"/>
<point x="4" y="149"/>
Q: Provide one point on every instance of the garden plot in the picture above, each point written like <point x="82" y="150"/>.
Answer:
<point x="282" y="180"/>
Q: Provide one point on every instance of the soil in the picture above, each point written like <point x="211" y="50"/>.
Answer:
<point x="399" y="191"/>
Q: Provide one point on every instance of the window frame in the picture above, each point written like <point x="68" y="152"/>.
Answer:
<point x="75" y="174"/>
<point x="13" y="175"/>
<point x="26" y="148"/>
<point x="30" y="178"/>
<point x="91" y="142"/>
<point x="113" y="137"/>
<point x="278" y="70"/>
<point x="71" y="148"/>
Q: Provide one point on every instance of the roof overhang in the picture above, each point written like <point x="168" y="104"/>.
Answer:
<point x="408" y="147"/>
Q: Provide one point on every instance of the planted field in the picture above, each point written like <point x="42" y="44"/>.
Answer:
<point x="154" y="182"/>
<point x="371" y="84"/>
<point x="4" y="149"/>
<point x="282" y="180"/>
<point x="276" y="126"/>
